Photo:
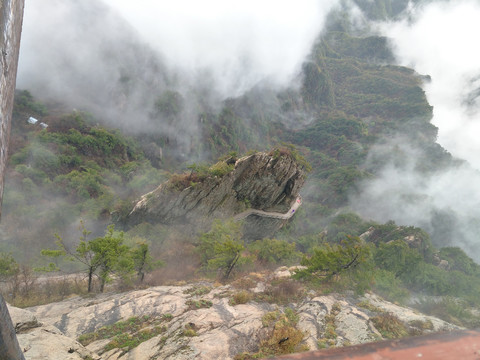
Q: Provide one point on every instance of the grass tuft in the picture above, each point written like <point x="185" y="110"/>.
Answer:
<point x="389" y="326"/>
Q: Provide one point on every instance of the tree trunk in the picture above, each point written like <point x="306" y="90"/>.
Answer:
<point x="141" y="272"/>
<point x="231" y="266"/>
<point x="90" y="278"/>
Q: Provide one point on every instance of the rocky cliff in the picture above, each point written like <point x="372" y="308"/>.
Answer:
<point x="205" y="321"/>
<point x="266" y="182"/>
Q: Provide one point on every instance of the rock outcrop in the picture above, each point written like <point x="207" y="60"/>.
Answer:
<point x="200" y="321"/>
<point x="266" y="182"/>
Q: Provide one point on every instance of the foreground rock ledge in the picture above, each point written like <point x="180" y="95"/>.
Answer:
<point x="221" y="330"/>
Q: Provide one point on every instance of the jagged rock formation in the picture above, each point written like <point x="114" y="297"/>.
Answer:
<point x="269" y="182"/>
<point x="218" y="328"/>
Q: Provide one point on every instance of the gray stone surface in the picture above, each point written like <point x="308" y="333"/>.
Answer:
<point x="49" y="343"/>
<point x="221" y="330"/>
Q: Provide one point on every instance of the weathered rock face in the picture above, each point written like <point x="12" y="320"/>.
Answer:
<point x="11" y="20"/>
<point x="260" y="181"/>
<point x="218" y="329"/>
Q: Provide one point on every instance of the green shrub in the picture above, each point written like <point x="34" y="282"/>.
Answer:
<point x="167" y="317"/>
<point x="222" y="247"/>
<point x="240" y="297"/>
<point x="8" y="266"/>
<point x="220" y="169"/>
<point x="198" y="290"/>
<point x="347" y="264"/>
<point x="126" y="334"/>
<point x="284" y="336"/>
<point x="81" y="184"/>
<point x="450" y="309"/>
<point x="390" y="287"/>
<point x="269" y="318"/>
<point x="346" y="223"/>
<point x="126" y="342"/>
<point x="422" y="324"/>
<point x="189" y="330"/>
<point x="24" y="101"/>
<point x="389" y="326"/>
<point x="198" y="304"/>
<point x="397" y="257"/>
<point x="369" y="306"/>
<point x="273" y="251"/>
<point x="459" y="260"/>
<point x="37" y="175"/>
<point x="282" y="291"/>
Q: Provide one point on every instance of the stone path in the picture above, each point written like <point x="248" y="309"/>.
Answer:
<point x="275" y="215"/>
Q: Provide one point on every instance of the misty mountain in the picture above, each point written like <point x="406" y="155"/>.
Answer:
<point x="354" y="113"/>
<point x="160" y="112"/>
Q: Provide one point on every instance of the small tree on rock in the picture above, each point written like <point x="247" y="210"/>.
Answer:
<point x="221" y="248"/>
<point x="350" y="258"/>
<point x="143" y="261"/>
<point x="8" y="266"/>
<point x="82" y="254"/>
<point x="111" y="255"/>
<point x="101" y="256"/>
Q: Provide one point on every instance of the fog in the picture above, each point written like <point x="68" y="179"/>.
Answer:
<point x="238" y="43"/>
<point x="444" y="203"/>
<point x="438" y="39"/>
<point x="116" y="57"/>
<point x="235" y="45"/>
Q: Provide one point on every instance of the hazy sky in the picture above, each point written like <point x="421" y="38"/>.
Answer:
<point x="240" y="42"/>
<point x="441" y="40"/>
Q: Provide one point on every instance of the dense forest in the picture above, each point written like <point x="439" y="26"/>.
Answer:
<point x="76" y="176"/>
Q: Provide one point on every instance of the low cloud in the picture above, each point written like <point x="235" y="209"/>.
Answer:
<point x="444" y="203"/>
<point x="439" y="39"/>
<point x="234" y="45"/>
<point x="238" y="43"/>
<point x="436" y="39"/>
<point x="116" y="58"/>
